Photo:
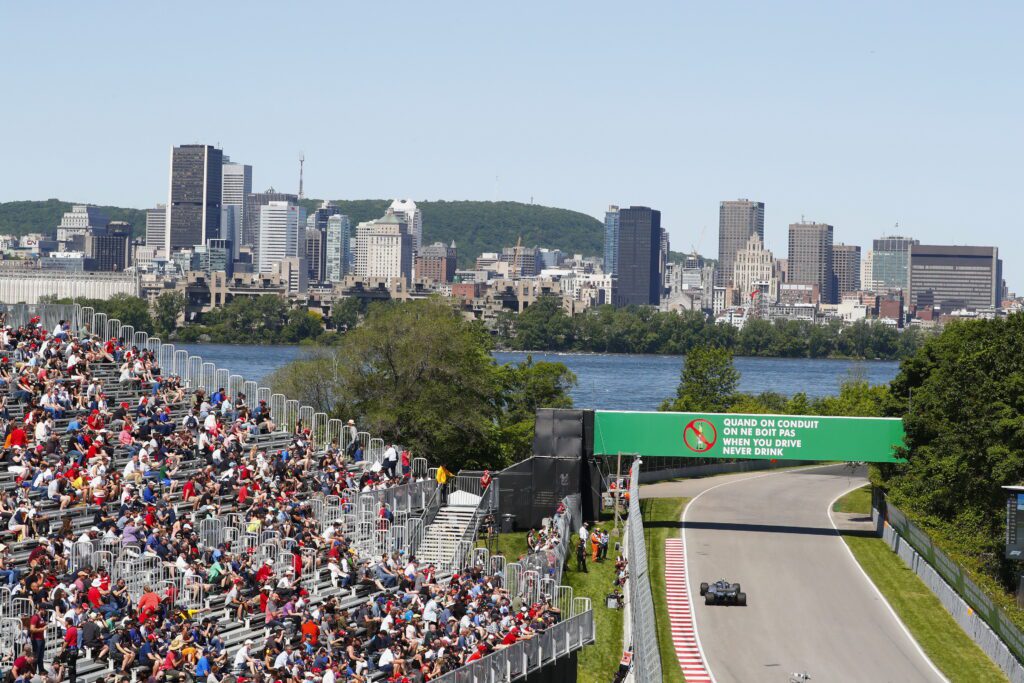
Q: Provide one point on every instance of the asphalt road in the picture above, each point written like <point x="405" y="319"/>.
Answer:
<point x="809" y="606"/>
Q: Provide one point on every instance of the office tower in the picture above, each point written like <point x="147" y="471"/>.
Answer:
<point x="156" y="227"/>
<point x="406" y="209"/>
<point x="810" y="258"/>
<point x="280" y="230"/>
<point x="846" y="269"/>
<point x="384" y="248"/>
<point x="638" y="279"/>
<point x="551" y="258"/>
<point x="890" y="261"/>
<point x="954" y="277"/>
<point x="76" y="224"/>
<point x="737" y="221"/>
<point x="236" y="185"/>
<point x="315" y="252"/>
<point x="436" y="263"/>
<point x="292" y="270"/>
<point x="611" y="238"/>
<point x="866" y="275"/>
<point x="194" y="196"/>
<point x="251" y="217"/>
<point x="338" y="252"/>
<point x="753" y="267"/>
<point x="523" y="261"/>
<point x="109" y="248"/>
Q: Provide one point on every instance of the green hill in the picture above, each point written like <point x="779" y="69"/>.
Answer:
<point x="22" y="218"/>
<point x="475" y="227"/>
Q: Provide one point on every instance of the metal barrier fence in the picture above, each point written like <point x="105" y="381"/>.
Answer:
<point x="550" y="562"/>
<point x="981" y="618"/>
<point x="643" y="627"/>
<point x="49" y="315"/>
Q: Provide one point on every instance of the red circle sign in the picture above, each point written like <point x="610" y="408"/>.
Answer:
<point x="700" y="435"/>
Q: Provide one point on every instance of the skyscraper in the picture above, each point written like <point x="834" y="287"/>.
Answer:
<point x="846" y="268"/>
<point x="315" y="251"/>
<point x="156" y="227"/>
<point x="194" y="196"/>
<point x="867" y="276"/>
<point x="251" y="216"/>
<point x="954" y="277"/>
<point x="338" y="253"/>
<point x="413" y="217"/>
<point x="810" y="258"/>
<point x="109" y="248"/>
<point x="236" y="185"/>
<point x="737" y="221"/>
<point x="890" y="262"/>
<point x="611" y="238"/>
<point x="436" y="262"/>
<point x="77" y="224"/>
<point x="638" y="258"/>
<point x="281" y="228"/>
<point x="384" y="248"/>
<point x="755" y="266"/>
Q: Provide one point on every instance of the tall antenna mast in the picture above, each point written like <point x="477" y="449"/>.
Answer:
<point x="302" y="162"/>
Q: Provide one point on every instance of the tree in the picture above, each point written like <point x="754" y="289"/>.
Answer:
<point x="708" y="382"/>
<point x="345" y="313"/>
<point x="166" y="309"/>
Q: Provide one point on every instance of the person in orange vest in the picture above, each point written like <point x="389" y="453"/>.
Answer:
<point x="595" y="544"/>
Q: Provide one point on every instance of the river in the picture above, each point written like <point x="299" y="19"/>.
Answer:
<point x="610" y="381"/>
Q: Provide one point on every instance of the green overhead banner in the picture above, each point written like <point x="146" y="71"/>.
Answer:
<point x="760" y="437"/>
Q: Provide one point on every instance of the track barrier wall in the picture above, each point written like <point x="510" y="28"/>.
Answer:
<point x="643" y="630"/>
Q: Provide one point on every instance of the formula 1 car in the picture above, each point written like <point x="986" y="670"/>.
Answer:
<point x="722" y="592"/>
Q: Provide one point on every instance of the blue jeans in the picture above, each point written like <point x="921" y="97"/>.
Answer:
<point x="12" y="576"/>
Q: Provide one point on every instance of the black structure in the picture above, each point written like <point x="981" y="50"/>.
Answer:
<point x="195" y="198"/>
<point x="638" y="263"/>
<point x="251" y="213"/>
<point x="109" y="249"/>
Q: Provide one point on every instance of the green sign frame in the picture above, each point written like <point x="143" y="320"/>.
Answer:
<point x="745" y="436"/>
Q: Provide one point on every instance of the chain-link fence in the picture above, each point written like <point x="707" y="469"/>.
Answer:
<point x="643" y="629"/>
<point x="986" y="622"/>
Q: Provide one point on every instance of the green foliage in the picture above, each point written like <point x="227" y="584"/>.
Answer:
<point x="265" y="319"/>
<point x="419" y="374"/>
<point x="21" y="218"/>
<point x="166" y="309"/>
<point x="345" y="313"/>
<point x="634" y="329"/>
<point x="962" y="401"/>
<point x="130" y="310"/>
<point x="708" y="382"/>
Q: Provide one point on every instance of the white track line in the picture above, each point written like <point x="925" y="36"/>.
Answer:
<point x="682" y="535"/>
<point x="871" y="583"/>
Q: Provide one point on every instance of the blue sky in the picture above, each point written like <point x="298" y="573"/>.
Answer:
<point x="857" y="114"/>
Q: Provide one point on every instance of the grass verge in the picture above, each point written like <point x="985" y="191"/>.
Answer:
<point x="934" y="629"/>
<point x="858" y="501"/>
<point x="661" y="522"/>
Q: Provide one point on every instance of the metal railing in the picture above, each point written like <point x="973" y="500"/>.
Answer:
<point x="643" y="625"/>
<point x="550" y="562"/>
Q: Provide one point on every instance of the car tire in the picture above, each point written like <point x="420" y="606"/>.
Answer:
<point x="736" y="587"/>
<point x="709" y="599"/>
<point x="741" y="599"/>
<point x="703" y="589"/>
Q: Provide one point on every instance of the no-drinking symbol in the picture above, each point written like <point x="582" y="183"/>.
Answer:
<point x="699" y="435"/>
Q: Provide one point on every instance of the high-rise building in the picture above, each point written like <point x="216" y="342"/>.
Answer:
<point x="109" y="248"/>
<point x="76" y="224"/>
<point x="315" y="252"/>
<point x="338" y="255"/>
<point x="611" y="238"/>
<point x="866" y="275"/>
<point x="523" y="261"/>
<point x="236" y="185"/>
<point x="384" y="248"/>
<point x="810" y="258"/>
<point x="280" y="229"/>
<point x="436" y="262"/>
<point x="292" y="270"/>
<point x="251" y="217"/>
<point x="890" y="262"/>
<point x="413" y="217"/>
<point x="194" y="196"/>
<point x="846" y="268"/>
<point x="637" y="261"/>
<point x="954" y="277"/>
<point x="737" y="221"/>
<point x="754" y="270"/>
<point x="156" y="228"/>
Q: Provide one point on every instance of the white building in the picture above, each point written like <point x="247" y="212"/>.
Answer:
<point x="28" y="285"/>
<point x="236" y="185"/>
<point x="294" y="273"/>
<point x="752" y="266"/>
<point x="156" y="228"/>
<point x="282" y="224"/>
<point x="384" y="248"/>
<point x="867" y="281"/>
<point x="77" y="223"/>
<point x="339" y="256"/>
<point x="407" y="210"/>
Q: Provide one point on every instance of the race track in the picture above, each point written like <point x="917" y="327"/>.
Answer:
<point x="810" y="607"/>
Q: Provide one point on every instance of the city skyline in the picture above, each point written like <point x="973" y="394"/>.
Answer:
<point x="840" y="138"/>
